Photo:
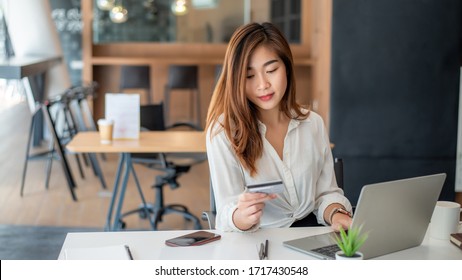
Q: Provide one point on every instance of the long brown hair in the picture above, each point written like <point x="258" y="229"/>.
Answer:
<point x="229" y="99"/>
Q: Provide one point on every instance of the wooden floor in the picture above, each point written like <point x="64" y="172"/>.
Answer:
<point x="55" y="207"/>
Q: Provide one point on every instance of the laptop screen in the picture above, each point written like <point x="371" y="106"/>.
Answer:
<point x="395" y="215"/>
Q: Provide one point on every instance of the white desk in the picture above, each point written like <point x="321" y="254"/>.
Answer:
<point x="149" y="245"/>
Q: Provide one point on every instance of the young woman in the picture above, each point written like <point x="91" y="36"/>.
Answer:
<point x="256" y="132"/>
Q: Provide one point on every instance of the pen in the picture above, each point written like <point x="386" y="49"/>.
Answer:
<point x="130" y="256"/>
<point x="266" y="249"/>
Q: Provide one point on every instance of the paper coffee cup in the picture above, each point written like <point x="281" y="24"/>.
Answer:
<point x="106" y="128"/>
<point x="445" y="219"/>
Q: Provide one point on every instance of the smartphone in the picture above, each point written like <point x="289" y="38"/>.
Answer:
<point x="193" y="239"/>
<point x="267" y="187"/>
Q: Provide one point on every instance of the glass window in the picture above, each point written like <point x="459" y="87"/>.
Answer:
<point x="201" y="21"/>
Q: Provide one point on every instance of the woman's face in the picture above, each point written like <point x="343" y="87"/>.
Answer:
<point x="266" y="80"/>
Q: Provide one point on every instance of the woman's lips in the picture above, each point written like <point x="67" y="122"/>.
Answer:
<point x="266" y="97"/>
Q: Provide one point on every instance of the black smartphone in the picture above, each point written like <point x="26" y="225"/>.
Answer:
<point x="193" y="239"/>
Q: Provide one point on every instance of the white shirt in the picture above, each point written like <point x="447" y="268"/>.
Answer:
<point x="306" y="170"/>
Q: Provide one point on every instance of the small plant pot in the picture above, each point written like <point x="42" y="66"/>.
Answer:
<point x="340" y="256"/>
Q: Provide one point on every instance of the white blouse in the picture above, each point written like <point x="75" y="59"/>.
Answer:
<point x="306" y="170"/>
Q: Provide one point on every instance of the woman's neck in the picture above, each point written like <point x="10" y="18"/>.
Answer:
<point x="277" y="124"/>
<point x="272" y="118"/>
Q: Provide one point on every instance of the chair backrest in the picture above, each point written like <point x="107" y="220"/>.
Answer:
<point x="152" y="117"/>
<point x="338" y="169"/>
<point x="135" y="76"/>
<point x="182" y="77"/>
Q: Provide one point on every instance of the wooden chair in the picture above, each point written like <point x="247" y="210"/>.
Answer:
<point x="184" y="79"/>
<point x="136" y="77"/>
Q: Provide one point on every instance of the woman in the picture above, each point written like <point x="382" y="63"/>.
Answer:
<point x="256" y="132"/>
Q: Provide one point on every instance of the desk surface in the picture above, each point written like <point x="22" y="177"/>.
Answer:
<point x="149" y="245"/>
<point x="149" y="142"/>
<point x="20" y="67"/>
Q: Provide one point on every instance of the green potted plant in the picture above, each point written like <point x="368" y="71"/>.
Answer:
<point x="349" y="243"/>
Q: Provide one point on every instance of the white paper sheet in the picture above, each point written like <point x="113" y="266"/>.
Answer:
<point x="124" y="109"/>
<point x="116" y="252"/>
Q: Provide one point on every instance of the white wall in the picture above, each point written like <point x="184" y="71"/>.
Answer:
<point x="33" y="32"/>
<point x="458" y="187"/>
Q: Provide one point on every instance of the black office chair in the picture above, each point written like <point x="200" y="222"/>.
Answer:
<point x="184" y="78"/>
<point x="136" y="77"/>
<point x="308" y="221"/>
<point x="172" y="164"/>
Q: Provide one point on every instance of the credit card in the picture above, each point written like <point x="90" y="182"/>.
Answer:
<point x="267" y="187"/>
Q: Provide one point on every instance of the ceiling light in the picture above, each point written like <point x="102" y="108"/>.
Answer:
<point x="105" y="5"/>
<point x="179" y="7"/>
<point x="118" y="14"/>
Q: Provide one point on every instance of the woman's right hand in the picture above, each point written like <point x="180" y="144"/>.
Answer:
<point x="250" y="209"/>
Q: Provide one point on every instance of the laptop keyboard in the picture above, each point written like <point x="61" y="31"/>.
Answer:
<point x="328" y="250"/>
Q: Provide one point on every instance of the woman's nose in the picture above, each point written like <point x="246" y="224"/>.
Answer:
<point x="263" y="83"/>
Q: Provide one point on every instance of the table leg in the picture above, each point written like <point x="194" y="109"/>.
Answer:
<point x="109" y="226"/>
<point x="118" y="215"/>
<point x="140" y="191"/>
<point x="129" y="168"/>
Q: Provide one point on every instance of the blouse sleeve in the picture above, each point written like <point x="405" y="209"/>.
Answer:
<point x="327" y="190"/>
<point x="226" y="177"/>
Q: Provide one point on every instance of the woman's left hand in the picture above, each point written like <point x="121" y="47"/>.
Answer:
<point x="341" y="220"/>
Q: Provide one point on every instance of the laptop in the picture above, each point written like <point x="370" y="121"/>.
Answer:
<point x="395" y="215"/>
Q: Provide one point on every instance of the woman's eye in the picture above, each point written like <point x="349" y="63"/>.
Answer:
<point x="249" y="76"/>
<point x="271" y="71"/>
